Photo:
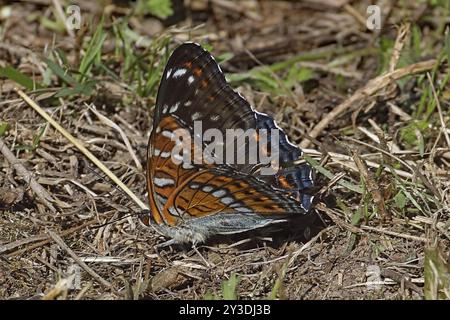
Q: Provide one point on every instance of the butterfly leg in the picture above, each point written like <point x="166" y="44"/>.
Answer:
<point x="165" y="244"/>
<point x="194" y="247"/>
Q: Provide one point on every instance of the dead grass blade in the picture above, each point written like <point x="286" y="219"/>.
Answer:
<point x="40" y="192"/>
<point x="366" y="92"/>
<point x="72" y="254"/>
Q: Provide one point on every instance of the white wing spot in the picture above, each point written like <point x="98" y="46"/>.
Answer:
<point x="168" y="134"/>
<point x="195" y="116"/>
<point x="165" y="154"/>
<point x="156" y="152"/>
<point x="173" y="211"/>
<point x="165" y="107"/>
<point x="207" y="189"/>
<point x="227" y="200"/>
<point x="187" y="165"/>
<point x="162" y="182"/>
<point x="168" y="73"/>
<point x="177" y="157"/>
<point x="161" y="199"/>
<point x="174" y="107"/>
<point x="188" y="103"/>
<point x="191" y="79"/>
<point x="215" y="117"/>
<point x="179" y="73"/>
<point x="219" y="193"/>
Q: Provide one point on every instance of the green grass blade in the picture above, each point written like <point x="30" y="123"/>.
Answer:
<point x="159" y="8"/>
<point x="229" y="287"/>
<point x="92" y="52"/>
<point x="60" y="72"/>
<point x="19" y="78"/>
<point x="3" y="128"/>
<point x="330" y="176"/>
<point x="85" y="89"/>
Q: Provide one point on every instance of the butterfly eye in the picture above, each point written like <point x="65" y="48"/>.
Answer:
<point x="145" y="217"/>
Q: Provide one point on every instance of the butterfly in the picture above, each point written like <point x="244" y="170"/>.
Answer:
<point x="192" y="200"/>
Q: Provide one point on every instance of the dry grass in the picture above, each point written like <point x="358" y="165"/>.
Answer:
<point x="371" y="109"/>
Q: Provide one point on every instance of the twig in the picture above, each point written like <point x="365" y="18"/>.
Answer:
<point x="61" y="287"/>
<point x="439" y="225"/>
<point x="229" y="5"/>
<point x="402" y="35"/>
<point x="9" y="246"/>
<point x="371" y="283"/>
<point x="389" y="154"/>
<point x="125" y="139"/>
<point x="395" y="234"/>
<point x="398" y="277"/>
<point x="368" y="90"/>
<point x="110" y="260"/>
<point x="415" y="171"/>
<point x="360" y="230"/>
<point x="348" y="162"/>
<point x="372" y="186"/>
<point x="40" y="192"/>
<point x="83" y="291"/>
<point x="72" y="254"/>
<point x="438" y="104"/>
<point x="338" y="220"/>
<point x="355" y="14"/>
<point x="396" y="110"/>
<point x="305" y="246"/>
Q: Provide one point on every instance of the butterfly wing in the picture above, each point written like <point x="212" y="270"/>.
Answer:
<point x="194" y="90"/>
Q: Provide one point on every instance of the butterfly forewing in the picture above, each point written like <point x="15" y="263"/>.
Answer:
<point x="193" y="88"/>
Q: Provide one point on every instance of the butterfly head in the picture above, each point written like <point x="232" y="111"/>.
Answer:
<point x="145" y="217"/>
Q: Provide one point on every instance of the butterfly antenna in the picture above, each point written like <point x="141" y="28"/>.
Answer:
<point x="103" y="178"/>
<point x="143" y="212"/>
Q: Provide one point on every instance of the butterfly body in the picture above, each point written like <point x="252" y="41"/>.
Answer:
<point x="213" y="192"/>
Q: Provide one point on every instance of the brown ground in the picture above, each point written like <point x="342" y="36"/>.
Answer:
<point x="333" y="261"/>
